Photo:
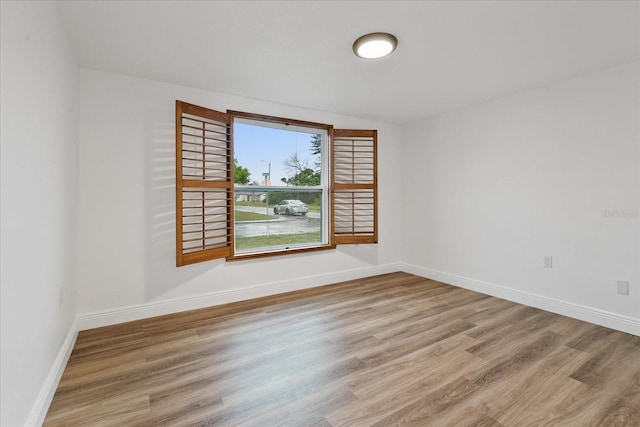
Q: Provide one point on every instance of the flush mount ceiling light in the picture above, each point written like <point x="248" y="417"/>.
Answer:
<point x="375" y="45"/>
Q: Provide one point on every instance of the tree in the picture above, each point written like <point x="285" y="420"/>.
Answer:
<point x="316" y="144"/>
<point x="300" y="174"/>
<point x="316" y="150"/>
<point x="295" y="164"/>
<point x="241" y="174"/>
<point x="306" y="177"/>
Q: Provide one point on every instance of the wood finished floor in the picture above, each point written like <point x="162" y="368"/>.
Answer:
<point x="388" y="350"/>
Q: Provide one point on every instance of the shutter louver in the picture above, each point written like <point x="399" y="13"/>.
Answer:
<point x="204" y="184"/>
<point x="354" y="186"/>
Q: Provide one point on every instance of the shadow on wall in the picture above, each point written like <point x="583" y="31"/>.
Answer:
<point x="365" y="253"/>
<point x="161" y="273"/>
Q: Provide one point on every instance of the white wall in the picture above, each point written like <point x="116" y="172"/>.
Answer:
<point x="488" y="191"/>
<point x="491" y="189"/>
<point x="39" y="86"/>
<point x="127" y="207"/>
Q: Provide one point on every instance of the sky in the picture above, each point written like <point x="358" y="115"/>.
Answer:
<point x="256" y="146"/>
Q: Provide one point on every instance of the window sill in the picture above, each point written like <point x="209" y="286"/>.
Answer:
<point x="240" y="257"/>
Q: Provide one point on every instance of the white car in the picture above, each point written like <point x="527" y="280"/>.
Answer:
<point x="290" y="207"/>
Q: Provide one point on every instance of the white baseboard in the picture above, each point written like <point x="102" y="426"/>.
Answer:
<point x="43" y="401"/>
<point x="576" y="311"/>
<point x="159" y="308"/>
<point x="111" y="317"/>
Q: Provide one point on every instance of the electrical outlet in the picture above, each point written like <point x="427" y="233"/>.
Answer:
<point x="623" y="287"/>
<point x="548" y="262"/>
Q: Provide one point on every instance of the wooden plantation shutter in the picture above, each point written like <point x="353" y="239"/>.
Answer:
<point x="354" y="186"/>
<point x="204" y="184"/>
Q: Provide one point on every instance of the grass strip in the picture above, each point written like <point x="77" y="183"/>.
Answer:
<point x="253" y="216"/>
<point x="277" y="240"/>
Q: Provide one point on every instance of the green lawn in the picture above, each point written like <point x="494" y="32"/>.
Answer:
<point x="276" y="240"/>
<point x="252" y="216"/>
<point x="254" y="204"/>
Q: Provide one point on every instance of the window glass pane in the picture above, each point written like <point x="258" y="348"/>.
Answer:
<point x="277" y="220"/>
<point x="278" y="157"/>
<point x="280" y="187"/>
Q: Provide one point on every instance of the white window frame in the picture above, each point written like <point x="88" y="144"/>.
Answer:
<point x="324" y="188"/>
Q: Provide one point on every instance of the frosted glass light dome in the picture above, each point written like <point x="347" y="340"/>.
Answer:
<point x="375" y="45"/>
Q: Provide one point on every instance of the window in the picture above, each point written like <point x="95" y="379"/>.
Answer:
<point x="250" y="185"/>
<point x="281" y="185"/>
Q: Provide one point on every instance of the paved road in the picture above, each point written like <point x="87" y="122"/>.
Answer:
<point x="282" y="225"/>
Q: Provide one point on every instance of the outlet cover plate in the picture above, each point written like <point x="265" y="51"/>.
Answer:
<point x="623" y="287"/>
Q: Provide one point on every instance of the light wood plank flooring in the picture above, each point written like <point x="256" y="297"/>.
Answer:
<point x="388" y="350"/>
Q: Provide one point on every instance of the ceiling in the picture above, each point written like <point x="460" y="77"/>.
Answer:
<point x="451" y="53"/>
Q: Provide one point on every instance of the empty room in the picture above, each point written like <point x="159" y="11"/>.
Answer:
<point x="320" y="213"/>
